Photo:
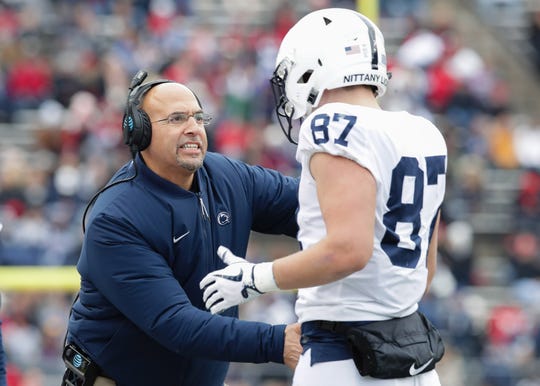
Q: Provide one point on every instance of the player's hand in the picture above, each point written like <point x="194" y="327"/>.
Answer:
<point x="237" y="283"/>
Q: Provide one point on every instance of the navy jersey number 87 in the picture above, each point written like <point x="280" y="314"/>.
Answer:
<point x="408" y="212"/>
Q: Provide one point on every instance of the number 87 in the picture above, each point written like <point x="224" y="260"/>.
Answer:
<point x="408" y="212"/>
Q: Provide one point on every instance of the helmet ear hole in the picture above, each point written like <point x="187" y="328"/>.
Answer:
<point x="305" y="77"/>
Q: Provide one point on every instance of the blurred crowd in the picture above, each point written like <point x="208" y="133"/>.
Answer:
<point x="65" y="67"/>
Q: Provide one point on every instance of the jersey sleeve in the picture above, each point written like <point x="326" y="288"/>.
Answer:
<point x="335" y="132"/>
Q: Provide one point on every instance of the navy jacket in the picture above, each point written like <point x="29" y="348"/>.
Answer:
<point x="147" y="245"/>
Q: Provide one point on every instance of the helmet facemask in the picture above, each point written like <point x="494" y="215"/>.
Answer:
<point x="284" y="107"/>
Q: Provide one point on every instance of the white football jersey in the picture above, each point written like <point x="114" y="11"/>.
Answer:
<point x="407" y="156"/>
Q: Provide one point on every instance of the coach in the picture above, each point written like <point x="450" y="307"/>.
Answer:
<point x="152" y="235"/>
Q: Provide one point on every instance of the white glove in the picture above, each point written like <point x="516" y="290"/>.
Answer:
<point x="239" y="282"/>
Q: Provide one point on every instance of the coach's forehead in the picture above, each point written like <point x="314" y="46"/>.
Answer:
<point x="164" y="95"/>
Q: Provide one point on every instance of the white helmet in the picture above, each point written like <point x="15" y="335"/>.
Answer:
<point x="326" y="49"/>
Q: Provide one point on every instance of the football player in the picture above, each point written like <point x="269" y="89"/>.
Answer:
<point x="372" y="184"/>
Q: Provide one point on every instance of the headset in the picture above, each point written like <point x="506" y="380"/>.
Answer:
<point x="136" y="125"/>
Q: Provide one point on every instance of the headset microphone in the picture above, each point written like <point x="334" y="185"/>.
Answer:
<point x="137" y="80"/>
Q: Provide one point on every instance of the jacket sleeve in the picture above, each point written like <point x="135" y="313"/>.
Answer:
<point x="140" y="284"/>
<point x="274" y="199"/>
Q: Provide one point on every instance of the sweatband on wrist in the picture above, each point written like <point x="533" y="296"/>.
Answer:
<point x="263" y="277"/>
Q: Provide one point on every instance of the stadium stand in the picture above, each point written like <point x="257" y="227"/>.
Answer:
<point x="470" y="65"/>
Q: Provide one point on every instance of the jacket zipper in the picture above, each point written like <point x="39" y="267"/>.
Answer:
<point x="204" y="211"/>
<point x="209" y="234"/>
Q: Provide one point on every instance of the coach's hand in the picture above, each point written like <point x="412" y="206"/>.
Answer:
<point x="292" y="348"/>
<point x="237" y="283"/>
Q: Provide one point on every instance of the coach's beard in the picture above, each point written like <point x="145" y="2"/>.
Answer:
<point x="191" y="165"/>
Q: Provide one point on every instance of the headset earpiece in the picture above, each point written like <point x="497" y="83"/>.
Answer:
<point x="137" y="128"/>
<point x="136" y="125"/>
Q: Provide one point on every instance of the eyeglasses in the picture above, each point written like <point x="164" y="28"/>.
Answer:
<point x="179" y="118"/>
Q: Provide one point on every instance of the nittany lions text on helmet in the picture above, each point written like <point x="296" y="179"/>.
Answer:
<point x="326" y="49"/>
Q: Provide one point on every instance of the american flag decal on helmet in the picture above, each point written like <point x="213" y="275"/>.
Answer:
<point x="351" y="50"/>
